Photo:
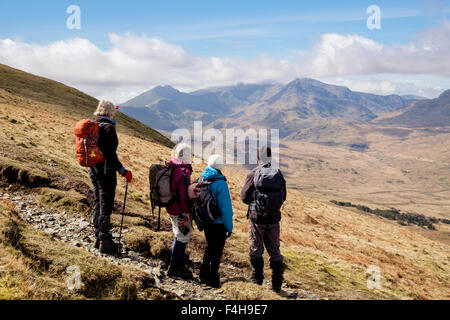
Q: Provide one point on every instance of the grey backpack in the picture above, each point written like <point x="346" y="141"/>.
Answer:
<point x="160" y="185"/>
<point x="269" y="193"/>
<point x="161" y="194"/>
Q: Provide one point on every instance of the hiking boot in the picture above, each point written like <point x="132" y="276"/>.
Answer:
<point x="277" y="275"/>
<point x="110" y="247"/>
<point x="214" y="281"/>
<point x="177" y="269"/>
<point x="97" y="243"/>
<point x="257" y="271"/>
<point x="205" y="274"/>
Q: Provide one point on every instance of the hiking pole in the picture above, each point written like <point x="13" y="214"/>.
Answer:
<point x="159" y="219"/>
<point x="121" y="223"/>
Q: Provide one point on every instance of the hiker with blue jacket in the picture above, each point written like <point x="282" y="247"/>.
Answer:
<point x="265" y="192"/>
<point x="218" y="231"/>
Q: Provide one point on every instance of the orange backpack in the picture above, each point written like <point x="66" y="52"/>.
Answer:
<point x="88" y="153"/>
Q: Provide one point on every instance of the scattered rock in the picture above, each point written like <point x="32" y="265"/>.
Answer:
<point x="84" y="224"/>
<point x="77" y="232"/>
<point x="180" y="292"/>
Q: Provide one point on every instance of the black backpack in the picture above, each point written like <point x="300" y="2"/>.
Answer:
<point x="204" y="208"/>
<point x="269" y="191"/>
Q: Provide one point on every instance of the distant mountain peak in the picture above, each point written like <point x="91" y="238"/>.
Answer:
<point x="424" y="113"/>
<point x="445" y="95"/>
<point x="307" y="81"/>
<point x="165" y="89"/>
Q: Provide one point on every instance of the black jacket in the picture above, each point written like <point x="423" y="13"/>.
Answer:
<point x="108" y="142"/>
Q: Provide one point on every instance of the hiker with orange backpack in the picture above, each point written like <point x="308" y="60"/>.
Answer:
<point x="97" y="144"/>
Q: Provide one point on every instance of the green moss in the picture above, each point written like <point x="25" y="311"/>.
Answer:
<point x="8" y="289"/>
<point x="148" y="242"/>
<point x="71" y="201"/>
<point x="337" y="278"/>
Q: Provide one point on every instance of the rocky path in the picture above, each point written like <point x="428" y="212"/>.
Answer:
<point x="78" y="231"/>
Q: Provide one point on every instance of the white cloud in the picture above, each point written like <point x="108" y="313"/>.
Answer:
<point x="386" y="84"/>
<point x="339" y="54"/>
<point x="134" y="64"/>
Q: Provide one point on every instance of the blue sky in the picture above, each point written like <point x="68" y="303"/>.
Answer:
<point x="220" y="28"/>
<point x="226" y="29"/>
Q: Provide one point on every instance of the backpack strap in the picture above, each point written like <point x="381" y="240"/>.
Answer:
<point x="215" y="179"/>
<point x="256" y="170"/>
<point x="186" y="183"/>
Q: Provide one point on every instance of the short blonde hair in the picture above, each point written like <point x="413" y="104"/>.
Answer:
<point x="105" y="108"/>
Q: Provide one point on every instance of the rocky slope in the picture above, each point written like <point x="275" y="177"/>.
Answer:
<point x="78" y="232"/>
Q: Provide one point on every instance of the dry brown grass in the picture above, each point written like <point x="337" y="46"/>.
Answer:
<point x="240" y="290"/>
<point x="34" y="267"/>
<point x="409" y="173"/>
<point x="327" y="248"/>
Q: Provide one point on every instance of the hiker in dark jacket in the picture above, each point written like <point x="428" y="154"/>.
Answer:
<point x="179" y="211"/>
<point x="103" y="177"/>
<point x="264" y="227"/>
<point x="217" y="232"/>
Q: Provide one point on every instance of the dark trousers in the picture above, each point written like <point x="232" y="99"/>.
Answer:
<point x="104" y="194"/>
<point x="215" y="238"/>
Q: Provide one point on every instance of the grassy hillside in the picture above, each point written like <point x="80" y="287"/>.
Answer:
<point x="327" y="248"/>
<point x="59" y="98"/>
<point x="34" y="267"/>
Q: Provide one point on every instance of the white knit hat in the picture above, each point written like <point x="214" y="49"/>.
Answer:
<point x="216" y="162"/>
<point x="182" y="153"/>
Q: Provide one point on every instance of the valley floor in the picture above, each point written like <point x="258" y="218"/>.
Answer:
<point x="408" y="171"/>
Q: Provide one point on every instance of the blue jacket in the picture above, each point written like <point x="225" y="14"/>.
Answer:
<point x="221" y="194"/>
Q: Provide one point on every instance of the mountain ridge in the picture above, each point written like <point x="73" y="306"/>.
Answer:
<point x="423" y="113"/>
<point x="167" y="108"/>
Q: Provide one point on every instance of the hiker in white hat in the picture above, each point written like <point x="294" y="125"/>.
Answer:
<point x="218" y="231"/>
